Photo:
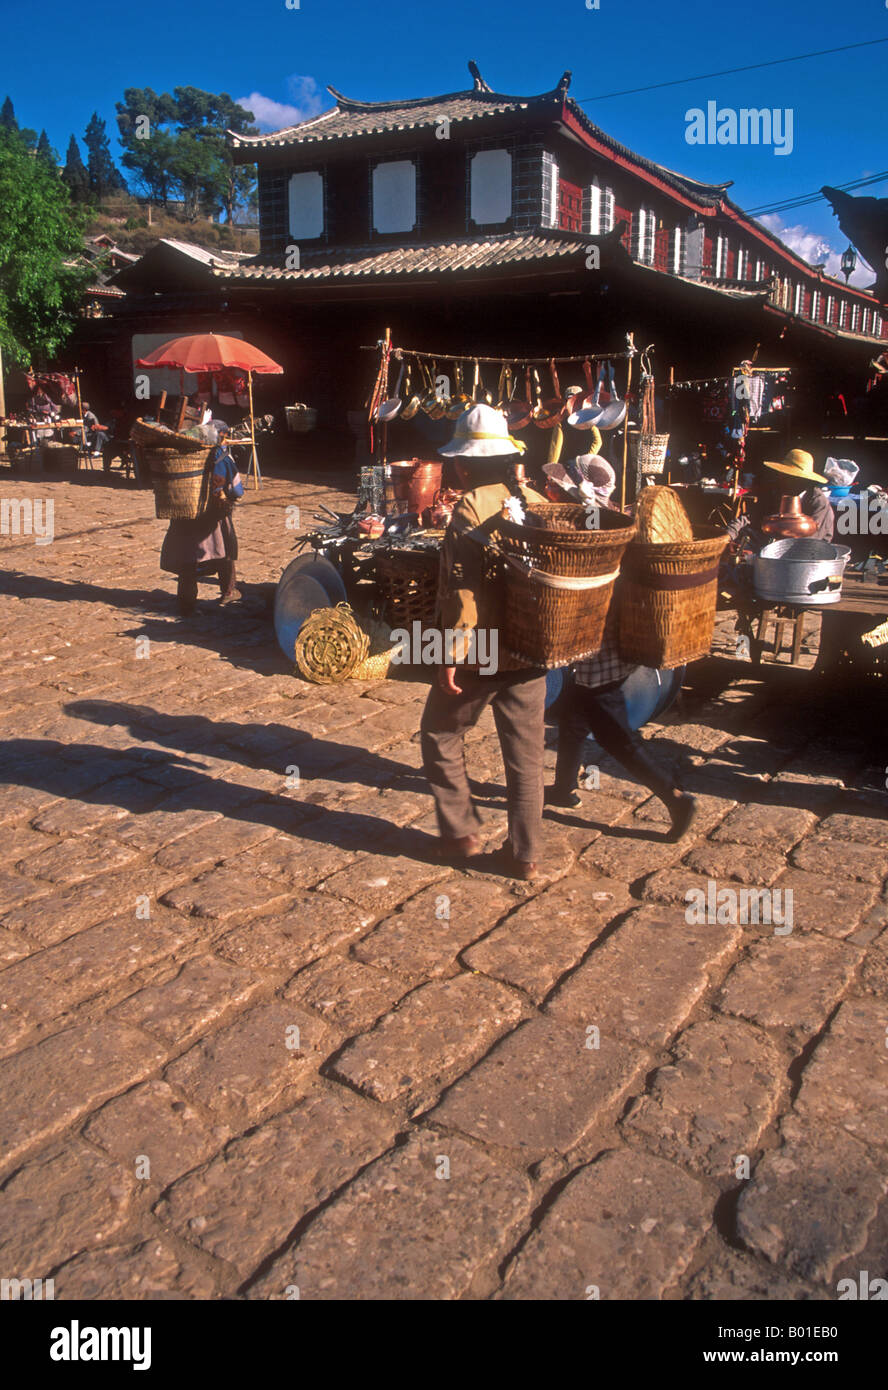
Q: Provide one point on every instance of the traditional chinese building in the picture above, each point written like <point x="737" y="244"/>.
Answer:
<point x="484" y="222"/>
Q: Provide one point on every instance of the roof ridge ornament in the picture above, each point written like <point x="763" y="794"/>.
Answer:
<point x="480" y="84"/>
<point x="564" y="82"/>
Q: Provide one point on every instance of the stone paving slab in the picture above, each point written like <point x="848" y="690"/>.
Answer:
<point x="254" y="1035"/>
<point x="625" y="1227"/>
<point x="373" y="1241"/>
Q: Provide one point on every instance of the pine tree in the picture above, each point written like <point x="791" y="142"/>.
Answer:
<point x="46" y="152"/>
<point x="74" y="173"/>
<point x="104" y="176"/>
<point x="7" y="115"/>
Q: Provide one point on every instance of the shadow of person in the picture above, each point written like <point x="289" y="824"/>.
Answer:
<point x="40" y="763"/>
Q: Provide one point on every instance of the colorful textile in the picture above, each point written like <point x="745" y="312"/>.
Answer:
<point x="227" y="485"/>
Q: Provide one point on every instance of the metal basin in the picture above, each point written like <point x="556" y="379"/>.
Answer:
<point x="800" y="571"/>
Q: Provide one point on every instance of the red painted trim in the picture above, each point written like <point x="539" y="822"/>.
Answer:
<point x="739" y="218"/>
<point x="621" y="162"/>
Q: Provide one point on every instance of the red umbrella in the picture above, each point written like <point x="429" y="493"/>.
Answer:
<point x="209" y="352"/>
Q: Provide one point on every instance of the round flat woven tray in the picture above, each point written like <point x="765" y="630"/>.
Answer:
<point x="330" y="645"/>
<point x="661" y="517"/>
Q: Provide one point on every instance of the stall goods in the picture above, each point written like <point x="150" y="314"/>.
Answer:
<point x="648" y="448"/>
<point x="330" y="646"/>
<point x="407" y="584"/>
<point x="803" y="572"/>
<point x="415" y="482"/>
<point x="554" y="578"/>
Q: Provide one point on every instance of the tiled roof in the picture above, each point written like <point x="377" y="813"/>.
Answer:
<point x="351" y="118"/>
<point x="206" y="257"/>
<point x="440" y="259"/>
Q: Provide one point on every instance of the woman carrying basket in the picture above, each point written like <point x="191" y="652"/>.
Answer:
<point x="192" y="550"/>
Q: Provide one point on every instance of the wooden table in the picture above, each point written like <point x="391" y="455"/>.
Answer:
<point x="862" y="608"/>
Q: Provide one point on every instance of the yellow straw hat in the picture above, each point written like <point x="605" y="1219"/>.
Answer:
<point x="798" y="464"/>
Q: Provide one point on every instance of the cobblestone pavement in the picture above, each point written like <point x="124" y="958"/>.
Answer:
<point x="252" y="1035"/>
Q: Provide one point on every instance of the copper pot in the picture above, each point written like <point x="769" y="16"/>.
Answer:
<point x="416" y="481"/>
<point x="790" y="520"/>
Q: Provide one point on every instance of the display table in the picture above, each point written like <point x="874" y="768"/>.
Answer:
<point x="862" y="608"/>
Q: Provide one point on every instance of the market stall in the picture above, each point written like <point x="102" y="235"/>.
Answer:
<point x="555" y="568"/>
<point x="215" y="355"/>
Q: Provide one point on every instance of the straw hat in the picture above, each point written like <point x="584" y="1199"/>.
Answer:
<point x="798" y="464"/>
<point x="482" y="432"/>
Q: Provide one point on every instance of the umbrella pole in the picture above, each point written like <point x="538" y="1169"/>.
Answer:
<point x="255" y="458"/>
<point x="80" y="409"/>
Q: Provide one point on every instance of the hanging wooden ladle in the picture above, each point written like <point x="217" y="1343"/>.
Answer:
<point x="459" y="401"/>
<point x="518" y="412"/>
<point x="392" y="407"/>
<point x="432" y="404"/>
<point x="551" y="411"/>
<point x="411" y="403"/>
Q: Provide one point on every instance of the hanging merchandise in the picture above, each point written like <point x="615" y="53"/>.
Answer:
<point x="649" y="448"/>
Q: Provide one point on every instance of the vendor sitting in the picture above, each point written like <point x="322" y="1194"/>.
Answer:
<point x="799" y="467"/>
<point x="208" y="545"/>
<point x="93" y="431"/>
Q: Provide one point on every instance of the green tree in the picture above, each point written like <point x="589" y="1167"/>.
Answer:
<point x="41" y="276"/>
<point x="177" y="143"/>
<point x="145" y="121"/>
<point x="104" y="176"/>
<point x="46" y="152"/>
<point x="9" y="122"/>
<point x="74" y="173"/>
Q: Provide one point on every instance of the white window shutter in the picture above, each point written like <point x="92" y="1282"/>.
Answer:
<point x="394" y="196"/>
<point x="595" y="210"/>
<point x="677" y="251"/>
<point x="491" y="187"/>
<point x="306" y="205"/>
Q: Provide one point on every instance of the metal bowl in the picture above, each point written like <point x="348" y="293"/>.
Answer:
<point x="800" y="572"/>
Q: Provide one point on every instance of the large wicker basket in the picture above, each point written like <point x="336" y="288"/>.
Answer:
<point x="555" y="582"/>
<point x="181" y="483"/>
<point x="407" y="584"/>
<point x="152" y="435"/>
<point x="668" y="596"/>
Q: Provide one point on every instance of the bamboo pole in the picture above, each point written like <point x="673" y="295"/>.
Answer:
<point x="577" y="358"/>
<point x="79" y="408"/>
<point x="625" y="437"/>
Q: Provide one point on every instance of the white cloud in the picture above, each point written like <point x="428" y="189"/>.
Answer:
<point x="814" y="249"/>
<point x="305" y="101"/>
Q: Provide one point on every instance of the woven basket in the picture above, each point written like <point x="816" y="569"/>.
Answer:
<point x="375" y="666"/>
<point x="545" y="623"/>
<point x="330" y="645"/>
<point x="649" y="451"/>
<point x="661" y="517"/>
<point x="668" y="595"/>
<point x="154" y="436"/>
<point x="55" y="455"/>
<point x="181" y="483"/>
<point x="407" y="585"/>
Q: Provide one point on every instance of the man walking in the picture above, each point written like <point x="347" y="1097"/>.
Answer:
<point x="484" y="452"/>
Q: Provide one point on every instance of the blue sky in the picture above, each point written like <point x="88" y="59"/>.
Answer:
<point x="82" y="58"/>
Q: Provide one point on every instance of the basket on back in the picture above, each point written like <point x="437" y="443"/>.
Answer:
<point x="556" y="576"/>
<point x="179" y="469"/>
<point x="669" y="584"/>
<point x="181" y="483"/>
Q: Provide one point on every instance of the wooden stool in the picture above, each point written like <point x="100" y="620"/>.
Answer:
<point x="781" y="615"/>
